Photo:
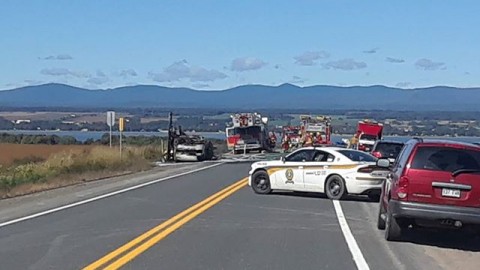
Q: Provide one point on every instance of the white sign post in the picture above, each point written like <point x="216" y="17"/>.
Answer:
<point x="111" y="123"/>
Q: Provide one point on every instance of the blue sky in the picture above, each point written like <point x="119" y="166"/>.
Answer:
<point x="220" y="44"/>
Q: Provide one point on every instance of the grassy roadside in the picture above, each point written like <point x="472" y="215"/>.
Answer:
<point x="70" y="167"/>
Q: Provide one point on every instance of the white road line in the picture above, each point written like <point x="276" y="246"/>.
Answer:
<point x="351" y="242"/>
<point x="43" y="213"/>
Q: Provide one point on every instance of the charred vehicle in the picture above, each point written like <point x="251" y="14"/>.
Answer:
<point x="184" y="147"/>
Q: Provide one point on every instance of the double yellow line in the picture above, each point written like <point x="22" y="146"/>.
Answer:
<point x="137" y="246"/>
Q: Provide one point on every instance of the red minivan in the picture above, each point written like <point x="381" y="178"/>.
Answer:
<point x="433" y="183"/>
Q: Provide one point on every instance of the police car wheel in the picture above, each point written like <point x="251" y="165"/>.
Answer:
<point x="261" y="182"/>
<point x="335" y="187"/>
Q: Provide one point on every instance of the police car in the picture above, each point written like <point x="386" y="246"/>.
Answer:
<point x="330" y="170"/>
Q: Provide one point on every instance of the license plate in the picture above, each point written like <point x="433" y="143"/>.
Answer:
<point x="446" y="192"/>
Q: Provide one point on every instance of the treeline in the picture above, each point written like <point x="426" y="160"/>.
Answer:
<point x="412" y="116"/>
<point x="219" y="145"/>
<point x="70" y="140"/>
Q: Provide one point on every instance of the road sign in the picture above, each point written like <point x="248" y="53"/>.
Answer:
<point x="121" y="124"/>
<point x="111" y="118"/>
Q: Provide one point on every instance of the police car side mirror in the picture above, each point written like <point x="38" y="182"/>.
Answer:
<point x="282" y="158"/>
<point x="383" y="163"/>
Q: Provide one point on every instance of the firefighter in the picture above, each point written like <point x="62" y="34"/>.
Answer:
<point x="272" y="139"/>
<point x="308" y="139"/>
<point x="353" y="143"/>
<point x="318" y="138"/>
<point x="286" y="143"/>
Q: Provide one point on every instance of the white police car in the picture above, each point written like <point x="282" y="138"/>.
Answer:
<point x="330" y="170"/>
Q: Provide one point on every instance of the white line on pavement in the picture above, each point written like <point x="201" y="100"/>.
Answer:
<point x="43" y="213"/>
<point x="351" y="242"/>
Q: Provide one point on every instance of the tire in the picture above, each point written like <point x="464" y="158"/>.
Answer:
<point x="335" y="187"/>
<point x="393" y="230"/>
<point x="261" y="182"/>
<point x="380" y="221"/>
<point x="374" y="197"/>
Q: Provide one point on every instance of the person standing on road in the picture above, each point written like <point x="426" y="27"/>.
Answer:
<point x="353" y="142"/>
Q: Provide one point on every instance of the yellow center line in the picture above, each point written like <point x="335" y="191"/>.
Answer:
<point x="184" y="214"/>
<point x="148" y="244"/>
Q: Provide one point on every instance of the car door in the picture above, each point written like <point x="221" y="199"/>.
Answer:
<point x="316" y="171"/>
<point x="290" y="175"/>
<point x="396" y="171"/>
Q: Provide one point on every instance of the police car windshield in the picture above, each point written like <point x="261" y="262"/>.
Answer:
<point x="358" y="156"/>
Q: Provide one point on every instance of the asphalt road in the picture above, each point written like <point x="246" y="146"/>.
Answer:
<point x="236" y="230"/>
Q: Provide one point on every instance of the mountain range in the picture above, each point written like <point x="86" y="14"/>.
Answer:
<point x="287" y="96"/>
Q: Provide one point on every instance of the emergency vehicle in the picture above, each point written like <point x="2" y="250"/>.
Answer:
<point x="290" y="137"/>
<point x="249" y="132"/>
<point x="368" y="132"/>
<point x="334" y="171"/>
<point x="315" y="130"/>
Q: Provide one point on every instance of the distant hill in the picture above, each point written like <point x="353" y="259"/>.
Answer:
<point x="247" y="97"/>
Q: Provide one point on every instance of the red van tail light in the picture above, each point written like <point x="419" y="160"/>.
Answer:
<point x="402" y="187"/>
<point x="377" y="154"/>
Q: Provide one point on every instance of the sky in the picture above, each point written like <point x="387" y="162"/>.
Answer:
<point x="213" y="45"/>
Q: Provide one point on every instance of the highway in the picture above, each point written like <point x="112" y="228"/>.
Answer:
<point x="210" y="219"/>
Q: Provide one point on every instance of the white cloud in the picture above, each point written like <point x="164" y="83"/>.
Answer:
<point x="394" y="60"/>
<point x="200" y="85"/>
<point x="55" y="71"/>
<point x="57" y="57"/>
<point x="98" y="80"/>
<point x="345" y="64"/>
<point x="128" y="73"/>
<point x="101" y="73"/>
<point x="427" y="64"/>
<point x="182" y="70"/>
<point x="374" y="50"/>
<point x="297" y="80"/>
<point x="403" y="84"/>
<point x="310" y="58"/>
<point x="246" y="63"/>
<point x="64" y="72"/>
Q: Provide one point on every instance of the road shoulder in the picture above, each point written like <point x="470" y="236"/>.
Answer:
<point x="21" y="206"/>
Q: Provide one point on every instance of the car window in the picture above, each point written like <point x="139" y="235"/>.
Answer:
<point x="358" y="156"/>
<point x="445" y="159"/>
<point x="403" y="156"/>
<point x="321" y="156"/>
<point x="301" y="155"/>
<point x="368" y="137"/>
<point x="390" y="150"/>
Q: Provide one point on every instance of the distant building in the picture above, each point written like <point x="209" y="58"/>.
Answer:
<point x="21" y="121"/>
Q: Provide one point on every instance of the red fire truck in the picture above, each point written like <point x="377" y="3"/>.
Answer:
<point x="290" y="137"/>
<point x="315" y="130"/>
<point x="249" y="132"/>
<point x="368" y="132"/>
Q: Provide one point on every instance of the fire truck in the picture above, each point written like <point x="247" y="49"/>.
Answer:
<point x="290" y="137"/>
<point x="368" y="132"/>
<point x="249" y="132"/>
<point x="315" y="130"/>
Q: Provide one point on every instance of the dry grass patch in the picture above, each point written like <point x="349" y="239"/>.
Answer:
<point x="69" y="167"/>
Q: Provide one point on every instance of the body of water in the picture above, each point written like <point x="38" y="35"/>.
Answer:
<point x="85" y="135"/>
